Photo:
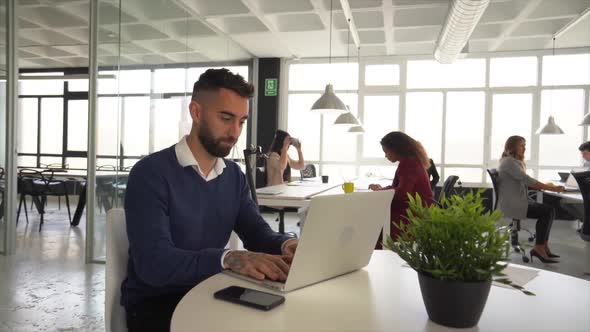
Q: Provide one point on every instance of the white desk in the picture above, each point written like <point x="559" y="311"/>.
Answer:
<point x="294" y="194"/>
<point x="574" y="196"/>
<point x="384" y="296"/>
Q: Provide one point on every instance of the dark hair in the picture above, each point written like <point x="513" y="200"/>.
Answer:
<point x="584" y="147"/>
<point x="215" y="79"/>
<point x="405" y="146"/>
<point x="278" y="141"/>
<point x="510" y="146"/>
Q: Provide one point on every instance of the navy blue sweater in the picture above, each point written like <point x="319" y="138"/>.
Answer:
<point x="178" y="225"/>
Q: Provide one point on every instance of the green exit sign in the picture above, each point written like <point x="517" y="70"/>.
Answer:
<point x="270" y="87"/>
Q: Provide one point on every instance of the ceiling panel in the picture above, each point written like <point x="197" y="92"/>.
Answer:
<point x="190" y="28"/>
<point x="417" y="34"/>
<point x="218" y="7"/>
<point x="552" y="8"/>
<point x="282" y="6"/>
<point x="51" y="17"/>
<point x="299" y="22"/>
<point x="417" y="17"/>
<point x="48" y="37"/>
<point x="544" y="27"/>
<point x="239" y="25"/>
<point x="140" y="32"/>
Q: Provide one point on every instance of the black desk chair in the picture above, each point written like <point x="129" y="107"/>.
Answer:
<point x="583" y="179"/>
<point x="260" y="180"/>
<point x="308" y="171"/>
<point x="448" y="188"/>
<point x="514" y="224"/>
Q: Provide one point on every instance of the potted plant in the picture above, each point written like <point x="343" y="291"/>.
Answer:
<point x="457" y="251"/>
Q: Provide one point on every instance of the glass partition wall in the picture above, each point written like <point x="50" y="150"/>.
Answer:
<point x="3" y="86"/>
<point x="149" y="57"/>
<point x="8" y="111"/>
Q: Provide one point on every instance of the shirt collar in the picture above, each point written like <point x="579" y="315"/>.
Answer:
<point x="185" y="157"/>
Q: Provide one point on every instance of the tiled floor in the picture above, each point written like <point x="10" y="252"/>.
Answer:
<point x="47" y="287"/>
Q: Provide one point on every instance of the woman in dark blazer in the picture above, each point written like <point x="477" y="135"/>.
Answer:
<point x="410" y="176"/>
<point x="513" y="184"/>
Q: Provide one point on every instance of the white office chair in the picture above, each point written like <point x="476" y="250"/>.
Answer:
<point x="116" y="270"/>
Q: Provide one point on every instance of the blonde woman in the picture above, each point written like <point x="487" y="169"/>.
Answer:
<point x="513" y="184"/>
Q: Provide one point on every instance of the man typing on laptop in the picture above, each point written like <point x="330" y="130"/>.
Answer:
<point x="183" y="202"/>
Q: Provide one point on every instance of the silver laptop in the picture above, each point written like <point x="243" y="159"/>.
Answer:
<point x="339" y="237"/>
<point x="571" y="184"/>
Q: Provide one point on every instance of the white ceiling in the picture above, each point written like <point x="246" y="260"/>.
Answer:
<point x="54" y="33"/>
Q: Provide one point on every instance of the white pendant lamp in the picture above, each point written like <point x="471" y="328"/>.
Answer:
<point x="586" y="120"/>
<point x="550" y="128"/>
<point x="359" y="130"/>
<point x="329" y="102"/>
<point x="346" y="119"/>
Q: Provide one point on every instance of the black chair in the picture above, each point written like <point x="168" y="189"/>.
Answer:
<point x="583" y="179"/>
<point x="39" y="185"/>
<point x="308" y="172"/>
<point x="514" y="224"/>
<point x="259" y="180"/>
<point x="448" y="188"/>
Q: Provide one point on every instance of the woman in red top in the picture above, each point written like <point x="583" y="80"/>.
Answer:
<point x="410" y="176"/>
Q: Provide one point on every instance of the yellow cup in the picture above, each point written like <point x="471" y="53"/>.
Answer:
<point x="348" y="187"/>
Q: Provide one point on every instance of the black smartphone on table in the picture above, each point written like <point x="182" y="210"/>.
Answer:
<point x="249" y="297"/>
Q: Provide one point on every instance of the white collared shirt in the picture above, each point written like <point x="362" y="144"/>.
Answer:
<point x="185" y="158"/>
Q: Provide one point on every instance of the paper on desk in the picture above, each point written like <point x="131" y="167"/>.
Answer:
<point x="518" y="276"/>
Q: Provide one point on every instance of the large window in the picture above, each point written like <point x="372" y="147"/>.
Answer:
<point x="381" y="116"/>
<point x="424" y="120"/>
<point x="567" y="106"/>
<point x="466" y="73"/>
<point x="519" y="71"/>
<point x="462" y="113"/>
<point x="464" y="128"/>
<point x="140" y="111"/>
<point x="511" y="115"/>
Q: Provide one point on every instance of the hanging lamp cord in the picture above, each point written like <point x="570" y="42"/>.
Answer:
<point x="330" y="52"/>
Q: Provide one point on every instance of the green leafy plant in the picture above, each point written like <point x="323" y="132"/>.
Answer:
<point x="454" y="241"/>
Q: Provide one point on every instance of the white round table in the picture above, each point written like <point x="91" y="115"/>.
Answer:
<point x="384" y="296"/>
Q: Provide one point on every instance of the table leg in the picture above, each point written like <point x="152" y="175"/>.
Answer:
<point x="79" y="207"/>
<point x="282" y="221"/>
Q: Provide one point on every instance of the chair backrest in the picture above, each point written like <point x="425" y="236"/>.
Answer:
<point x="448" y="187"/>
<point x="583" y="179"/>
<point x="116" y="269"/>
<point x="494" y="176"/>
<point x="308" y="171"/>
<point x="31" y="182"/>
<point x="257" y="179"/>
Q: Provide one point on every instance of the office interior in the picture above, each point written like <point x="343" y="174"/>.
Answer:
<point x="90" y="87"/>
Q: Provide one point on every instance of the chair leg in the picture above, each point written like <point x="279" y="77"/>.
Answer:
<point x="41" y="222"/>
<point x="68" y="206"/>
<point x="59" y="202"/>
<point x="20" y="204"/>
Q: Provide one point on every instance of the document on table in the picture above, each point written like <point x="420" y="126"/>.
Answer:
<point x="518" y="276"/>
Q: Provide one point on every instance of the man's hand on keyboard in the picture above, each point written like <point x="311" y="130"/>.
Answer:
<point x="256" y="265"/>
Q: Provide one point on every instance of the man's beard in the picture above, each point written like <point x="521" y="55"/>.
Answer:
<point x="213" y="145"/>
